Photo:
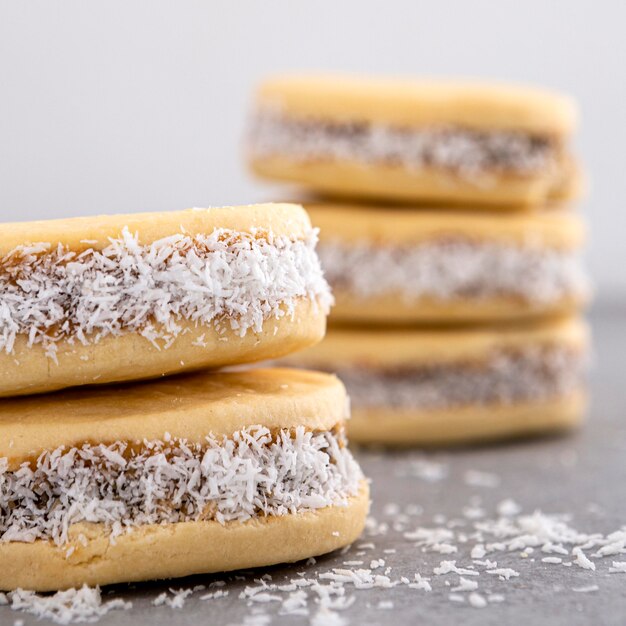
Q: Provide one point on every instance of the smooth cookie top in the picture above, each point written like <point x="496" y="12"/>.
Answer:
<point x="81" y="233"/>
<point x="358" y="223"/>
<point x="411" y="102"/>
<point x="404" y="347"/>
<point x="187" y="407"/>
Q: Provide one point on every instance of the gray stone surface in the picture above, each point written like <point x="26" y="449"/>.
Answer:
<point x="581" y="474"/>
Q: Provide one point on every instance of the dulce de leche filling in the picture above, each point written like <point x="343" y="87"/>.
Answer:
<point x="464" y="151"/>
<point x="506" y="376"/>
<point x="255" y="472"/>
<point x="225" y="279"/>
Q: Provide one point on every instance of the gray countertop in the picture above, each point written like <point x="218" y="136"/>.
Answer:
<point x="582" y="475"/>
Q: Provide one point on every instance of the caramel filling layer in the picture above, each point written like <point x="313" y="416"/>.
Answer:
<point x="225" y="279"/>
<point x="253" y="473"/>
<point x="503" y="377"/>
<point x="467" y="152"/>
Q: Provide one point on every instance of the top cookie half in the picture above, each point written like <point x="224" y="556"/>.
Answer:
<point x="123" y="297"/>
<point x="468" y="142"/>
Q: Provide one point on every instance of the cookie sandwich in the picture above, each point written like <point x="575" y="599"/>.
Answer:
<point x="469" y="142"/>
<point x="396" y="266"/>
<point x="444" y="387"/>
<point x="191" y="474"/>
<point x="121" y="297"/>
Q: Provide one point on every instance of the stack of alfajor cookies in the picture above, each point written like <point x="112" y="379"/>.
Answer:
<point x="447" y="238"/>
<point x="199" y="471"/>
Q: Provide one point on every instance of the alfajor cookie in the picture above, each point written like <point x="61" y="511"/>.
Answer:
<point x="397" y="266"/>
<point x="192" y="474"/>
<point x="434" y="387"/>
<point x="415" y="140"/>
<point x="122" y="297"/>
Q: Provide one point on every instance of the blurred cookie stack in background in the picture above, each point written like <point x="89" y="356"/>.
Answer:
<point x="447" y="234"/>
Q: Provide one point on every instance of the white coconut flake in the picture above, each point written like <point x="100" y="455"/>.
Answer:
<point x="465" y="584"/>
<point x="477" y="601"/>
<point x="509" y="508"/>
<point x="505" y="573"/>
<point x="174" y="601"/>
<point x="478" y="551"/>
<point x="473" y="512"/>
<point x="447" y="567"/>
<point x="225" y="279"/>
<point x="616" y="544"/>
<point x="421" y="583"/>
<point x="430" y="538"/>
<point x="215" y="595"/>
<point x="428" y="470"/>
<point x="554" y="548"/>
<point x="250" y="474"/>
<point x="586" y="589"/>
<point x="477" y="478"/>
<point x="581" y="559"/>
<point x="495" y="598"/>
<point x="487" y="564"/>
<point x="555" y="560"/>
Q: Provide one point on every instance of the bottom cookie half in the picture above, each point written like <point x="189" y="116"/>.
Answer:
<point x="180" y="549"/>
<point x="466" y="425"/>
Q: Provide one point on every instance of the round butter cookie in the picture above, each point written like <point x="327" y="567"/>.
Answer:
<point x="491" y="144"/>
<point x="122" y="297"/>
<point x="448" y="387"/>
<point x="397" y="266"/>
<point x="193" y="474"/>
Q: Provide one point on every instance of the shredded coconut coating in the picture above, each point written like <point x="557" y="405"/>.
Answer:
<point x="454" y="268"/>
<point x="505" y="377"/>
<point x="466" y="152"/>
<point x="66" y="607"/>
<point x="233" y="479"/>
<point x="225" y="279"/>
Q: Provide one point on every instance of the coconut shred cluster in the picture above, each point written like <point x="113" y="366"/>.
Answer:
<point x="506" y="376"/>
<point x="226" y="278"/>
<point x="461" y="150"/>
<point x="453" y="268"/>
<point x="253" y="473"/>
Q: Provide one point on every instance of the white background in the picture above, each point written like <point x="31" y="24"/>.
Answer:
<point x="119" y="106"/>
